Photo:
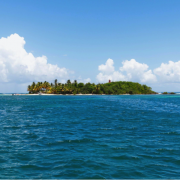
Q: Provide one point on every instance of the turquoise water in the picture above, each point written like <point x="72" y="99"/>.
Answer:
<point x="90" y="136"/>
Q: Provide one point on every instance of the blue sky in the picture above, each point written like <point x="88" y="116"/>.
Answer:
<point x="82" y="35"/>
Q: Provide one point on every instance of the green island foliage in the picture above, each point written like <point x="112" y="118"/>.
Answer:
<point x="172" y="93"/>
<point x="120" y="87"/>
<point x="168" y="93"/>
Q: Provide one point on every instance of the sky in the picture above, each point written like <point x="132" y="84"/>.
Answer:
<point x="90" y="41"/>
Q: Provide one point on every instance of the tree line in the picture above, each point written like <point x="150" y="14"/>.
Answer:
<point x="119" y="87"/>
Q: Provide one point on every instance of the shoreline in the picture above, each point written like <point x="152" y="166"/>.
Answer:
<point x="14" y="94"/>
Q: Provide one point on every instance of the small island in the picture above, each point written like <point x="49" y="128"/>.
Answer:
<point x="168" y="93"/>
<point x="115" y="88"/>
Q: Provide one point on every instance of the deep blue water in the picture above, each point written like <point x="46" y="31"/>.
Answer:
<point x="90" y="136"/>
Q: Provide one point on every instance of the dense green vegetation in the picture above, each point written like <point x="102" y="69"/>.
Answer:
<point x="168" y="93"/>
<point x="120" y="87"/>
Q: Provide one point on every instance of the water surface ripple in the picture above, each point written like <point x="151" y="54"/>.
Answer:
<point x="90" y="136"/>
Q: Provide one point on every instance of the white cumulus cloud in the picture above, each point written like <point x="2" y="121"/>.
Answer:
<point x="108" y="67"/>
<point x="136" y="71"/>
<point x="88" y="80"/>
<point x="19" y="66"/>
<point x="114" y="76"/>
<point x="83" y="80"/>
<point x="107" y="72"/>
<point x="130" y="71"/>
<point x="168" y="73"/>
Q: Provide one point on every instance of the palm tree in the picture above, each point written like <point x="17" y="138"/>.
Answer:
<point x="38" y="87"/>
<point x="33" y="87"/>
<point x="53" y="90"/>
<point x="55" y="83"/>
<point x="33" y="84"/>
<point x="46" y="86"/>
<point x="29" y="89"/>
<point x="75" y="83"/>
<point x="68" y="81"/>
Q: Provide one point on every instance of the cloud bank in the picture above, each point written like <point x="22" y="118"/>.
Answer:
<point x="17" y="65"/>
<point x="169" y="73"/>
<point x="131" y="70"/>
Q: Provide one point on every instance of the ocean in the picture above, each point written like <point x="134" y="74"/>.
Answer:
<point x="90" y="137"/>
